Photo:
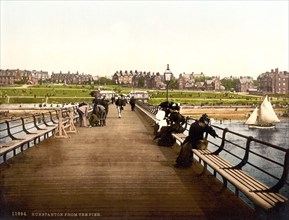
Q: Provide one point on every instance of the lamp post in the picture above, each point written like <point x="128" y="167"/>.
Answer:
<point x="168" y="76"/>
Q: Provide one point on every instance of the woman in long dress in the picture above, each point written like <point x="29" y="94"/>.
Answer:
<point x="196" y="135"/>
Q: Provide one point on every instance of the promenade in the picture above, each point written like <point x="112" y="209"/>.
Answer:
<point x="111" y="172"/>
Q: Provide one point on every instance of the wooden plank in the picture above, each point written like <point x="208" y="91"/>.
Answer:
<point x="117" y="172"/>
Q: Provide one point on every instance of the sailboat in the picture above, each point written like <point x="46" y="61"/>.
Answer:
<point x="263" y="117"/>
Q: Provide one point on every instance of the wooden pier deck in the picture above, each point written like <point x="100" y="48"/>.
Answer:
<point x="111" y="172"/>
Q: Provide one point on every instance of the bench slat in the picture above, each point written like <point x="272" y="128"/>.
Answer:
<point x="255" y="190"/>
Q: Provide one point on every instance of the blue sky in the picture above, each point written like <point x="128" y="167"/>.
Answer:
<point x="221" y="38"/>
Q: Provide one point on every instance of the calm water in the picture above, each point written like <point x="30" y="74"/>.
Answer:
<point x="278" y="136"/>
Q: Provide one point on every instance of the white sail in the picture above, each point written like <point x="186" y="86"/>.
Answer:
<point x="267" y="114"/>
<point x="253" y="117"/>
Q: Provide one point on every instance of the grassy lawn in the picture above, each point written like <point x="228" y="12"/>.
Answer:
<point x="76" y="93"/>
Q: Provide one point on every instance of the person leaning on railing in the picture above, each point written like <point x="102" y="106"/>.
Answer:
<point x="195" y="140"/>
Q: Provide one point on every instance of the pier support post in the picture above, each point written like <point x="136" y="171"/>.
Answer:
<point x="61" y="130"/>
<point x="71" y="126"/>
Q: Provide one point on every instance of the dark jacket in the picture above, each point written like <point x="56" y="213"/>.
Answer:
<point x="196" y="133"/>
<point x="120" y="102"/>
<point x="176" y="118"/>
<point x="132" y="101"/>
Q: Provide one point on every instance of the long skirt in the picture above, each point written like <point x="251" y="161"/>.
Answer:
<point x="185" y="157"/>
<point x="167" y="140"/>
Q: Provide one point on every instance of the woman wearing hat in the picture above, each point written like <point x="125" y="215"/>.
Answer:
<point x="194" y="140"/>
<point x="176" y="121"/>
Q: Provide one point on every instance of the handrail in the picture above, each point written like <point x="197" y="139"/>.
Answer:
<point x="248" y="152"/>
<point x="12" y="129"/>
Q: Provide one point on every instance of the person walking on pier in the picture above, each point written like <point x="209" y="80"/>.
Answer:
<point x="195" y="140"/>
<point x="120" y="102"/>
<point x="112" y="99"/>
<point x="132" y="102"/>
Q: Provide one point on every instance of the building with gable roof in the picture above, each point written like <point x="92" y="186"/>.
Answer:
<point x="71" y="78"/>
<point x="273" y="82"/>
<point x="245" y="84"/>
<point x="185" y="81"/>
<point x="12" y="76"/>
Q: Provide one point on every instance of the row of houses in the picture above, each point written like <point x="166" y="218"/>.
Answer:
<point x="274" y="81"/>
<point x="71" y="78"/>
<point x="199" y="82"/>
<point x="14" y="76"/>
<point x="192" y="81"/>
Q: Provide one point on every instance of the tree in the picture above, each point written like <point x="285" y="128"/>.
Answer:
<point x="202" y="79"/>
<point x="104" y="81"/>
<point x="141" y="83"/>
<point x="173" y="84"/>
<point x="229" y="83"/>
<point x="24" y="80"/>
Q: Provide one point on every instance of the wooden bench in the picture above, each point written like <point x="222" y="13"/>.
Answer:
<point x="264" y="197"/>
<point x="24" y="130"/>
<point x="260" y="194"/>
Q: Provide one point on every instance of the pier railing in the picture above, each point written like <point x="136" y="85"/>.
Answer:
<point x="264" y="161"/>
<point x="19" y="133"/>
<point x="258" y="155"/>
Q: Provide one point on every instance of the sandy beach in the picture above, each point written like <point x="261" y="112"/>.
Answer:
<point x="218" y="113"/>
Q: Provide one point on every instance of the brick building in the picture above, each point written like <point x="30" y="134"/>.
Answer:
<point x="185" y="81"/>
<point x="244" y="84"/>
<point x="71" y="78"/>
<point x="12" y="76"/>
<point x="138" y="79"/>
<point x="38" y="76"/>
<point x="274" y="82"/>
<point x="198" y="82"/>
